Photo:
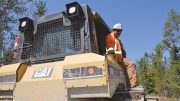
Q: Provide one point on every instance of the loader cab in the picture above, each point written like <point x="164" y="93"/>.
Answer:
<point x="61" y="55"/>
<point x="76" y="30"/>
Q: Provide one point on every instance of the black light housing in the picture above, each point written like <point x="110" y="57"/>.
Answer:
<point x="74" y="11"/>
<point x="26" y="25"/>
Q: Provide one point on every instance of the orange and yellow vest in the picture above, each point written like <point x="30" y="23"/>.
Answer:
<point x="114" y="44"/>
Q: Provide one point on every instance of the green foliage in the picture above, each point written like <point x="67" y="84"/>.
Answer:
<point x="172" y="35"/>
<point x="145" y="78"/>
<point x="172" y="29"/>
<point x="10" y="12"/>
<point x="41" y="9"/>
<point x="158" y="68"/>
<point x="174" y="53"/>
<point x="173" y="80"/>
<point x="160" y="75"/>
<point x="9" y="57"/>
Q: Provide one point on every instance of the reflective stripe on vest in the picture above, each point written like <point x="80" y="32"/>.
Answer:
<point x="115" y="48"/>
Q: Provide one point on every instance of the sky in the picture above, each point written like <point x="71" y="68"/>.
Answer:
<point x="142" y="20"/>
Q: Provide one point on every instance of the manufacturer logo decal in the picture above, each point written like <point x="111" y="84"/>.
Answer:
<point x="43" y="73"/>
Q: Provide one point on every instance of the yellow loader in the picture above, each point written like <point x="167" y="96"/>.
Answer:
<point x="62" y="57"/>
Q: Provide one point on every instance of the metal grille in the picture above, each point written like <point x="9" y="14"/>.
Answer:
<point x="6" y="95"/>
<point x="54" y="38"/>
<point x="8" y="79"/>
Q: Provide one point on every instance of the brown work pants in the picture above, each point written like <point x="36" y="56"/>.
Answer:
<point x="130" y="73"/>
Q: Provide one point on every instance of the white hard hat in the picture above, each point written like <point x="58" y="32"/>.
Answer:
<point x="117" y="26"/>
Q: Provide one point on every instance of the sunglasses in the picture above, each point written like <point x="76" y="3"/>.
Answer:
<point x="117" y="30"/>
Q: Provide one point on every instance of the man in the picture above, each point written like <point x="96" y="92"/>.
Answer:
<point x="114" y="46"/>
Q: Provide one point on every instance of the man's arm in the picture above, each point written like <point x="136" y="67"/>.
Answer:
<point x="122" y="49"/>
<point x="110" y="41"/>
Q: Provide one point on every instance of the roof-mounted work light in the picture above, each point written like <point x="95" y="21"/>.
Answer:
<point x="74" y="11"/>
<point x="26" y="25"/>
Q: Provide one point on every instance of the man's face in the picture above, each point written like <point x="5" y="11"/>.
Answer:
<point x="117" y="32"/>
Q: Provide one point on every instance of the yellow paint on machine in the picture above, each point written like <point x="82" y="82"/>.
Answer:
<point x="14" y="69"/>
<point x="30" y="87"/>
<point x="9" y="69"/>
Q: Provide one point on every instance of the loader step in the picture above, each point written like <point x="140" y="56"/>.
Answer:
<point x="124" y="96"/>
<point x="131" y="95"/>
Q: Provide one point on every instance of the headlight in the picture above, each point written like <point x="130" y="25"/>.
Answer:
<point x="83" y="72"/>
<point x="72" y="9"/>
<point x="74" y="12"/>
<point x="26" y="25"/>
<point x="23" y="24"/>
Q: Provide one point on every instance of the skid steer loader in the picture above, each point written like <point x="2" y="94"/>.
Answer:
<point x="62" y="57"/>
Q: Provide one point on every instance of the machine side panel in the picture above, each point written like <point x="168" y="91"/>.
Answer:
<point x="50" y="90"/>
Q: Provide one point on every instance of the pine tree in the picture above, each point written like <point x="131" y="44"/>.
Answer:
<point x="173" y="74"/>
<point x="164" y="71"/>
<point x="9" y="12"/>
<point x="158" y="68"/>
<point x="145" y="77"/>
<point x="171" y="33"/>
<point x="172" y="42"/>
<point x="41" y="9"/>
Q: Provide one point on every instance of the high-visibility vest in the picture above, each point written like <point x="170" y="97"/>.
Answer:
<point x="113" y="44"/>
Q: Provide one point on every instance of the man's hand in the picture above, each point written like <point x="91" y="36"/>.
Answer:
<point x="111" y="52"/>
